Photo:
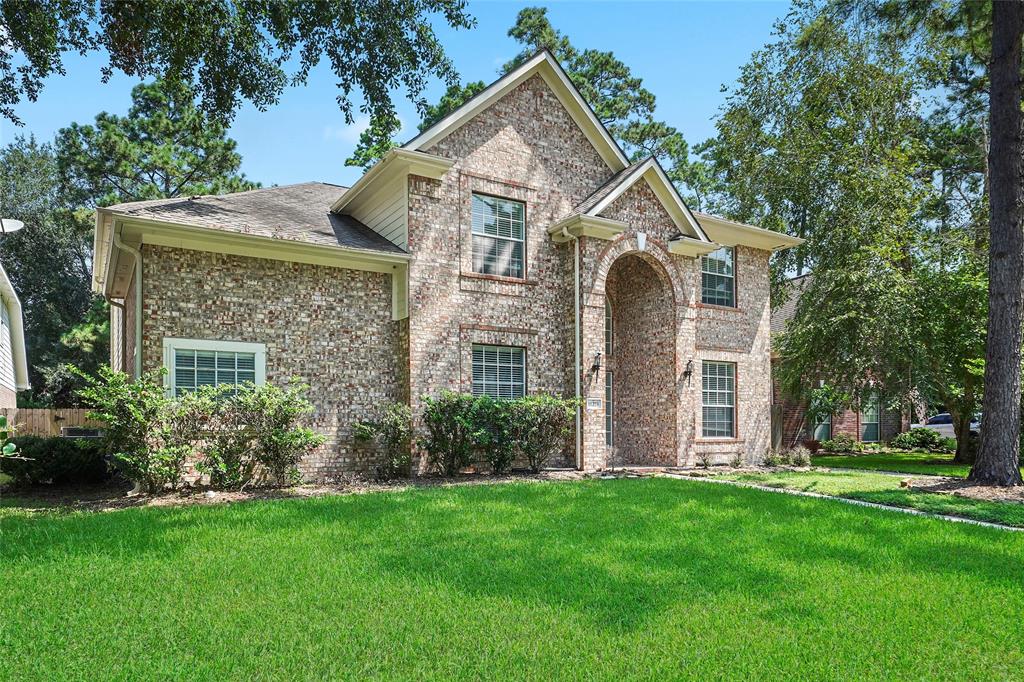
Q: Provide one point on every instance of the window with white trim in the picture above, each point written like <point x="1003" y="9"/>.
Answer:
<point x="609" y="412"/>
<point x="499" y="236"/>
<point x="718" y="277"/>
<point x="869" y="419"/>
<point x="192" y="363"/>
<point x="718" y="397"/>
<point x="499" y="371"/>
<point x="608" y="344"/>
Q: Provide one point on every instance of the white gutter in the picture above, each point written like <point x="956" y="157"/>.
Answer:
<point x="137" y="255"/>
<point x="576" y="288"/>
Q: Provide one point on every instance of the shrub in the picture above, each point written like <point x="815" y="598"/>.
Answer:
<point x="56" y="461"/>
<point x="392" y="433"/>
<point x="453" y="431"/>
<point x="947" y="445"/>
<point x="537" y="426"/>
<point x="496" y="440"/>
<point x="142" y="430"/>
<point x="799" y="456"/>
<point x="737" y="460"/>
<point x="773" y="458"/>
<point x="925" y="439"/>
<point x="253" y="433"/>
<point x="841" y="443"/>
<point x="812" y="445"/>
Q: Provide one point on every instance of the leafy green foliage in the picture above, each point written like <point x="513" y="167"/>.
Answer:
<point x="149" y="437"/>
<point x="56" y="461"/>
<point x="536" y="428"/>
<point x="165" y="147"/>
<point x="252" y="433"/>
<point x="392" y="432"/>
<point x="840" y="442"/>
<point x="229" y="52"/>
<point x="454" y="428"/>
<point x="7" y="447"/>
<point x="914" y="439"/>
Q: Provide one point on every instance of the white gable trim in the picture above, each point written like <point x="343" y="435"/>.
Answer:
<point x="666" y="192"/>
<point x="544" y="64"/>
<point x="732" y="233"/>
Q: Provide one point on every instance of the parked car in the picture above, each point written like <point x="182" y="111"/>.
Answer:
<point x="943" y="423"/>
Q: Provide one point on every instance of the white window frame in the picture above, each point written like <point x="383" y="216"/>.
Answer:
<point x="521" y="241"/>
<point x="171" y="345"/>
<point x="484" y="383"/>
<point x="731" y="406"/>
<point x="609" y="408"/>
<point x="704" y="260"/>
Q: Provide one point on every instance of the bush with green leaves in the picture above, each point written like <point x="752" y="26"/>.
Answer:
<point x="51" y="460"/>
<point x="947" y="445"/>
<point x="799" y="456"/>
<point x="918" y="439"/>
<point x="537" y="427"/>
<point x="774" y="458"/>
<point x="392" y="434"/>
<point x="841" y="443"/>
<point x="453" y="431"/>
<point x="144" y="430"/>
<point x="7" y="448"/>
<point x="252" y="433"/>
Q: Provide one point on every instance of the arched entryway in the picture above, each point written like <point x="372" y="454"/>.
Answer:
<point x="640" y="362"/>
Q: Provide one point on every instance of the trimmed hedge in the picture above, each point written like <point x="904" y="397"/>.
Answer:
<point x="56" y="461"/>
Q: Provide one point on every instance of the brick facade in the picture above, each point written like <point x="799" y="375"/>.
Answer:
<point x="333" y="327"/>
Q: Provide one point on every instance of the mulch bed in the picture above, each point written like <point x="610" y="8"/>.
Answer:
<point x="958" y="487"/>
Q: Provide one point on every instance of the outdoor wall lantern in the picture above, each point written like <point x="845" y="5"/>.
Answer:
<point x="596" y="367"/>
<point x="688" y="372"/>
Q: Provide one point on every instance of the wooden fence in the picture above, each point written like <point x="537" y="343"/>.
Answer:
<point x="46" y="422"/>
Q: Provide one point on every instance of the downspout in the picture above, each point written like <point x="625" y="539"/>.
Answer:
<point x="577" y="341"/>
<point x="137" y="255"/>
<point x="124" y="337"/>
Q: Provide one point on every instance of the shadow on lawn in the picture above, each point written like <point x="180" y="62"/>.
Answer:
<point x="617" y="552"/>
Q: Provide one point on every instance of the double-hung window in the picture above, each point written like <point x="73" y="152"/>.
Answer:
<point x="499" y="371"/>
<point x="718" y="277"/>
<point x="823" y="428"/>
<point x="718" y="397"/>
<point x="193" y="363"/>
<point x="499" y="236"/>
<point x="869" y="418"/>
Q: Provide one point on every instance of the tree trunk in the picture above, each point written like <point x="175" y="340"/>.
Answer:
<point x="962" y="429"/>
<point x="997" y="462"/>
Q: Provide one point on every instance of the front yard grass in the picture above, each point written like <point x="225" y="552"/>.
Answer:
<point x="927" y="463"/>
<point x="886" y="489"/>
<point x="627" y="578"/>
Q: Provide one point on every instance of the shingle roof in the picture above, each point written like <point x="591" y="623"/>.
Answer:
<point x="785" y="312"/>
<point x="293" y="212"/>
<point x="607" y="188"/>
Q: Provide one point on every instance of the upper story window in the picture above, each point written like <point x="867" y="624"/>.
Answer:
<point x="499" y="371"/>
<point x="192" y="363"/>
<point x="499" y="234"/>
<point x="718" y="278"/>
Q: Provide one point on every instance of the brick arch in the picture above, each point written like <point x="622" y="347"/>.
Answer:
<point x="654" y="252"/>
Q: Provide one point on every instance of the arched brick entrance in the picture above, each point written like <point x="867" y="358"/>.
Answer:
<point x="640" y="362"/>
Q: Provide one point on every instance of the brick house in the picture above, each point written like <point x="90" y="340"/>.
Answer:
<point x="511" y="248"/>
<point x="873" y="422"/>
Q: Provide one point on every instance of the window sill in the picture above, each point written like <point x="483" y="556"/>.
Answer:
<point x="712" y="306"/>
<point x="497" y="278"/>
<point x="718" y="441"/>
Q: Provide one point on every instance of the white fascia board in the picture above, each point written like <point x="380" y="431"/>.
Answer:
<point x="688" y="246"/>
<point x="732" y="233"/>
<point x="581" y="225"/>
<point x="556" y="78"/>
<point x="395" y="162"/>
<point x="652" y="171"/>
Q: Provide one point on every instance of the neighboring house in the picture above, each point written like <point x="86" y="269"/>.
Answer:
<point x="511" y="248"/>
<point x="872" y="423"/>
<point x="13" y="360"/>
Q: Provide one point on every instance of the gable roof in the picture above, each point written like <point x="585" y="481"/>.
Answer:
<point x="544" y="64"/>
<point x="292" y="212"/>
<point x="651" y="171"/>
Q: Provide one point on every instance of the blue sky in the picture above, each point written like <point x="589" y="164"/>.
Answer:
<point x="684" y="51"/>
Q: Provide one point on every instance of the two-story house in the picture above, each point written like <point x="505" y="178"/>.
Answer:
<point x="511" y="248"/>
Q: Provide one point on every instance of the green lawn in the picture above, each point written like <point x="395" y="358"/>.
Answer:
<point x="927" y="463"/>
<point x="885" y="489"/>
<point x="651" y="578"/>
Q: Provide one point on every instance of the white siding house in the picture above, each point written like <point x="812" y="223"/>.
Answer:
<point x="13" y="362"/>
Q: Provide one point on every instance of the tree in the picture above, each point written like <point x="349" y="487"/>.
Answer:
<point x="165" y="147"/>
<point x="998" y="457"/>
<point x="48" y="261"/>
<point x="607" y="84"/>
<point x="229" y="51"/>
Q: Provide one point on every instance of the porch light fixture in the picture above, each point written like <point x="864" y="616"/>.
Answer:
<point x="596" y="367"/>
<point x="688" y="372"/>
